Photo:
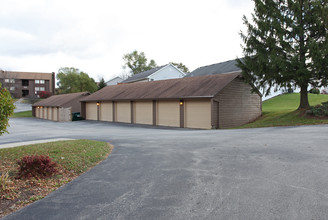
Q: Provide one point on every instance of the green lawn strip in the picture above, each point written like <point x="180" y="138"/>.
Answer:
<point x="74" y="155"/>
<point x="281" y="111"/>
<point x="26" y="114"/>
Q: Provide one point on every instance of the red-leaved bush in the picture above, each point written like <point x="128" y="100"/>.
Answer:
<point x="44" y="94"/>
<point x="36" y="166"/>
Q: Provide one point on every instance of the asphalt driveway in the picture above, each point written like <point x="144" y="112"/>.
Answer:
<point x="152" y="173"/>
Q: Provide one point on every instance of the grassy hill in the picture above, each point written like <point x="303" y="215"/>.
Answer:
<point x="282" y="111"/>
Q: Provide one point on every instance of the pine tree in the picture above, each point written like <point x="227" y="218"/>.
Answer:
<point x="286" y="44"/>
<point x="101" y="84"/>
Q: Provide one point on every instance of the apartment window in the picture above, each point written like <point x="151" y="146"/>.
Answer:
<point x="37" y="81"/>
<point x="41" y="81"/>
<point x="37" y="89"/>
<point x="12" y="88"/>
<point x="42" y="89"/>
<point x="9" y="80"/>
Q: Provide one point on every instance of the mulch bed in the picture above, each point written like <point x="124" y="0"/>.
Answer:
<point x="18" y="193"/>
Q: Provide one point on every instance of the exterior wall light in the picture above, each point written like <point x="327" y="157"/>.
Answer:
<point x="181" y="102"/>
<point x="98" y="103"/>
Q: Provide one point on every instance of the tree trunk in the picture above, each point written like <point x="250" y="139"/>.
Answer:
<point x="304" y="101"/>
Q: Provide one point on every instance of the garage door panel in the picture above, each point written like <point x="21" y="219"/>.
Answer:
<point x="49" y="113"/>
<point x="144" y="113"/>
<point x="37" y="112"/>
<point x="168" y="113"/>
<point x="91" y="111"/>
<point x="45" y="113"/>
<point x="198" y="114"/>
<point x="55" y="114"/>
<point x="106" y="111"/>
<point x="123" y="112"/>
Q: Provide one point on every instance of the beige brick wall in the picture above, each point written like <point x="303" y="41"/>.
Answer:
<point x="237" y="105"/>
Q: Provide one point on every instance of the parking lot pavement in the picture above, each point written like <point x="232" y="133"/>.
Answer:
<point x="154" y="173"/>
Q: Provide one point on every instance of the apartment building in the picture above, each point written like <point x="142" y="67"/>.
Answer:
<point x="27" y="84"/>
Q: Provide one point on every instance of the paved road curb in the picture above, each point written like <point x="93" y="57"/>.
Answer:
<point x="17" y="144"/>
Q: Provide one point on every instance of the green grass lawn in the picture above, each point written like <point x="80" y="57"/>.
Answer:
<point x="282" y="111"/>
<point x="26" y="114"/>
<point x="76" y="155"/>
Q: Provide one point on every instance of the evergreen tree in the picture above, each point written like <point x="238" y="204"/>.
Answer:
<point x="101" y="84"/>
<point x="286" y="44"/>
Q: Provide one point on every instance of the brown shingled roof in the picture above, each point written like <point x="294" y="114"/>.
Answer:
<point x="61" y="100"/>
<point x="191" y="87"/>
<point x="25" y="75"/>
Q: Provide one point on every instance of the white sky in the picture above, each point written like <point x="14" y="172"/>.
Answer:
<point x="44" y="35"/>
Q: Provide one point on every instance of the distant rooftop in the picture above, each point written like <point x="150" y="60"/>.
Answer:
<point x="142" y="75"/>
<point x="218" y="68"/>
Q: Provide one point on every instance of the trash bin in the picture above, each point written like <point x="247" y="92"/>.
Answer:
<point x="76" y="116"/>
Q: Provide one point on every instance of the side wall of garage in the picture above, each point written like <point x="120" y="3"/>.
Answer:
<point x="237" y="105"/>
<point x="197" y="114"/>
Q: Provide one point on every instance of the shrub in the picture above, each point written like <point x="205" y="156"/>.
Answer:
<point x="44" y="94"/>
<point x="319" y="110"/>
<point x="314" y="91"/>
<point x="36" y="165"/>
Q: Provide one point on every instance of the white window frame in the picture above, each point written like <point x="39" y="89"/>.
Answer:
<point x="42" y="81"/>
<point x="37" y="81"/>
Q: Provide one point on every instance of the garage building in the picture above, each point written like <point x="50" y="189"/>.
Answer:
<point x="59" y="107"/>
<point x="213" y="101"/>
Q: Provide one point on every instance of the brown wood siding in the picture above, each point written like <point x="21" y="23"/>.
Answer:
<point x="106" y="111"/>
<point x="237" y="105"/>
<point x="143" y="112"/>
<point x="198" y="114"/>
<point x="123" y="113"/>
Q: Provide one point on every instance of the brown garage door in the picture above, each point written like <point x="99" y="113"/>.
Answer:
<point x="144" y="113"/>
<point x="198" y="114"/>
<point x="123" y="112"/>
<point x="106" y="111"/>
<point x="168" y="113"/>
<point x="91" y="111"/>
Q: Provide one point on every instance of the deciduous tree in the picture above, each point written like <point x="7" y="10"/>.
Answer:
<point x="286" y="44"/>
<point x="181" y="67"/>
<point x="71" y="80"/>
<point x="137" y="62"/>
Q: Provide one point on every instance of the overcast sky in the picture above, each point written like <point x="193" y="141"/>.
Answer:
<point x="44" y="35"/>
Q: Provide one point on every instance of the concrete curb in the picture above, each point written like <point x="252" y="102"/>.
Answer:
<point x="17" y="144"/>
